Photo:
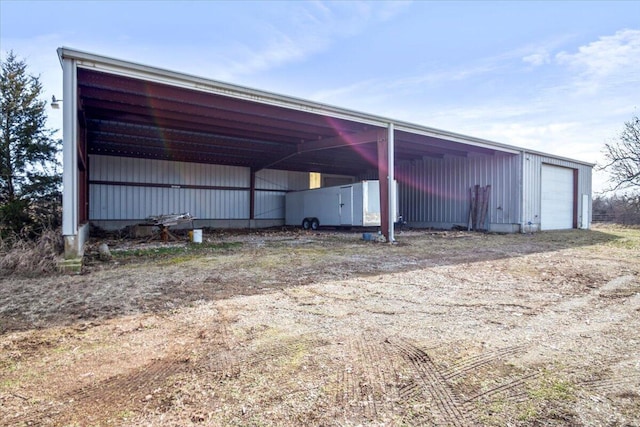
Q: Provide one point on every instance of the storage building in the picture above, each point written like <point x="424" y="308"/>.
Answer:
<point x="141" y="141"/>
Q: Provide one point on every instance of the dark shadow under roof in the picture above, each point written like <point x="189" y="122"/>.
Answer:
<point x="131" y="116"/>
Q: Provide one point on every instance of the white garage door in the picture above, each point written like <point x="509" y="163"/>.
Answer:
<point x="556" y="212"/>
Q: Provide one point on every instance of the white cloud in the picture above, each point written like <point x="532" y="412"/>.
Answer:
<point x="532" y="134"/>
<point x="308" y="29"/>
<point x="396" y="88"/>
<point x="278" y="50"/>
<point x="537" y="54"/>
<point x="550" y="111"/>
<point x="538" y="58"/>
<point x="386" y="10"/>
<point x="540" y="53"/>
<point x="611" y="60"/>
<point x="445" y="75"/>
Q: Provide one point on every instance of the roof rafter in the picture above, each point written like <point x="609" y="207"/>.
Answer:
<point x="344" y="140"/>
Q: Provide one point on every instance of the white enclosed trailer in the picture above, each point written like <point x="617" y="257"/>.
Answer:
<point x="356" y="204"/>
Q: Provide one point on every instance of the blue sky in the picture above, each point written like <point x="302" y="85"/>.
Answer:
<point x="558" y="77"/>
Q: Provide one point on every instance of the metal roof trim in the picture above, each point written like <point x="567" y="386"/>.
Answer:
<point x="553" y="156"/>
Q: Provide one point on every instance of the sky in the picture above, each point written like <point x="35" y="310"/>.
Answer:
<point x="552" y="76"/>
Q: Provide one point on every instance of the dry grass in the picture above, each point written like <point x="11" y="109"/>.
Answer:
<point x="324" y="329"/>
<point x="31" y="258"/>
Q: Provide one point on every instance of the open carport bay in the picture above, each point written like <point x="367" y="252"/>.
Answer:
<point x="292" y="328"/>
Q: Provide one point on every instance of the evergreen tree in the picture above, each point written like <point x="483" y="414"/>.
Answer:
<point x="29" y="175"/>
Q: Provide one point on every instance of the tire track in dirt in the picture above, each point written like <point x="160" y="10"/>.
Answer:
<point x="142" y="387"/>
<point x="381" y="376"/>
<point x="105" y="399"/>
<point x="449" y="410"/>
<point x="376" y="378"/>
<point x="611" y="385"/>
<point x="514" y="391"/>
<point x="467" y="365"/>
<point x="366" y="383"/>
<point x="217" y="355"/>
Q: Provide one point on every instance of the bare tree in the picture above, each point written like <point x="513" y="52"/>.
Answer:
<point x="623" y="157"/>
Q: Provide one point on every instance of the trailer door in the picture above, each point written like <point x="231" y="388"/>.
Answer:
<point x="346" y="205"/>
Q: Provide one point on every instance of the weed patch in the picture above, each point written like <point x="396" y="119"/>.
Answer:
<point x="32" y="258"/>
<point x="178" y="254"/>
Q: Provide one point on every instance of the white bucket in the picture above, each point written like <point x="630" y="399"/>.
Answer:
<point x="197" y="236"/>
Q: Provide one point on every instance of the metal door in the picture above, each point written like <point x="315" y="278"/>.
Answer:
<point x="346" y="205"/>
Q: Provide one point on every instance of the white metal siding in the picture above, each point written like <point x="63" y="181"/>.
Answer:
<point x="131" y="170"/>
<point x="556" y="198"/>
<point x="116" y="202"/>
<point x="132" y="189"/>
<point x="431" y="190"/>
<point x="270" y="202"/>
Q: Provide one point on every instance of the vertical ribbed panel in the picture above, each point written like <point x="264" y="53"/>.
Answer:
<point x="131" y="170"/>
<point x="436" y="190"/>
<point x="431" y="190"/>
<point x="269" y="179"/>
<point x="117" y="202"/>
<point x="133" y="189"/>
<point x="270" y="204"/>
<point x="133" y="202"/>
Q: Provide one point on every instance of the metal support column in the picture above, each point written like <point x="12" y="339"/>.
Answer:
<point x="391" y="183"/>
<point x="521" y="202"/>
<point x="383" y="173"/>
<point x="70" y="206"/>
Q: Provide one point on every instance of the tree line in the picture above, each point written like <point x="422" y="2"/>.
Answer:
<point x="624" y="209"/>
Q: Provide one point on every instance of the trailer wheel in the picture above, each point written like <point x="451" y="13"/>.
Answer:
<point x="306" y="223"/>
<point x="315" y="224"/>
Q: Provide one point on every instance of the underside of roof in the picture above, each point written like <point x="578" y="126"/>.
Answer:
<point x="135" y="117"/>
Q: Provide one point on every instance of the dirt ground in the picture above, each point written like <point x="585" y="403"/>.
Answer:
<point x="292" y="328"/>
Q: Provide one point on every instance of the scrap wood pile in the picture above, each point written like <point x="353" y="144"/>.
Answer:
<point x="479" y="197"/>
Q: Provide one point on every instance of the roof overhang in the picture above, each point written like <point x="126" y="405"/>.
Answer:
<point x="133" y="110"/>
